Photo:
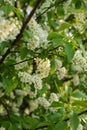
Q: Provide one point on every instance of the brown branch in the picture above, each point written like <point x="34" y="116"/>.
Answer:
<point x="18" y="37"/>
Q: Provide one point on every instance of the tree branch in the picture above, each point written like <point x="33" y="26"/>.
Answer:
<point x="18" y="37"/>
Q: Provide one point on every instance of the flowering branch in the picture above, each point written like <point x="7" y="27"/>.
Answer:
<point x="18" y="37"/>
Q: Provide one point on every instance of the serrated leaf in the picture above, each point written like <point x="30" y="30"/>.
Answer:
<point x="61" y="126"/>
<point x="74" y="122"/>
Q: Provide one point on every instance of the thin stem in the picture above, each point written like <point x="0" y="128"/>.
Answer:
<point x="21" y="32"/>
<point x="50" y="7"/>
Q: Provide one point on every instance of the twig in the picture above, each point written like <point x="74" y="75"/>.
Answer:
<point x="22" y="61"/>
<point x="21" y="31"/>
<point x="51" y="6"/>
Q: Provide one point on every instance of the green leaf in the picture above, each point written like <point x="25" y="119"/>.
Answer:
<point x="82" y="103"/>
<point x="53" y="67"/>
<point x="23" y="53"/>
<point x="7" y="9"/>
<point x="60" y="10"/>
<point x="27" y="34"/>
<point x="61" y="126"/>
<point x="78" y="4"/>
<point x="31" y="123"/>
<point x="78" y="94"/>
<point x="64" y="26"/>
<point x="57" y="42"/>
<point x="74" y="122"/>
<point x="57" y="104"/>
<point x="43" y="90"/>
<point x="18" y="13"/>
<point x="69" y="49"/>
<point x="12" y="127"/>
<point x="54" y="35"/>
<point x="3" y="45"/>
<point x="10" y="84"/>
<point x="15" y="118"/>
<point x="55" y="117"/>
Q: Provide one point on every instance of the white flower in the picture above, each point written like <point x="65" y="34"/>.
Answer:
<point x="33" y="105"/>
<point x="20" y="92"/>
<point x="79" y="62"/>
<point x="76" y="80"/>
<point x="9" y="28"/>
<point x="27" y="111"/>
<point x="25" y="77"/>
<point x="39" y="36"/>
<point x="58" y="63"/>
<point x="54" y="97"/>
<point x="80" y="127"/>
<point x="43" y="67"/>
<point x="61" y="73"/>
<point x="37" y="82"/>
<point x="43" y="102"/>
<point x="76" y="68"/>
<point x="20" y="65"/>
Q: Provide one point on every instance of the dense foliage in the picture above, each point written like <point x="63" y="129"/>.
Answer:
<point x="43" y="65"/>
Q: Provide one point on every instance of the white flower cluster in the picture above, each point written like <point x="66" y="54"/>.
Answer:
<point x="76" y="79"/>
<point x="61" y="71"/>
<point x="33" y="105"/>
<point x="79" y="62"/>
<point x="54" y="97"/>
<point x="43" y="67"/>
<point x="9" y="28"/>
<point x="80" y="19"/>
<point x="44" y="102"/>
<point x="39" y="36"/>
<point x="31" y="79"/>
